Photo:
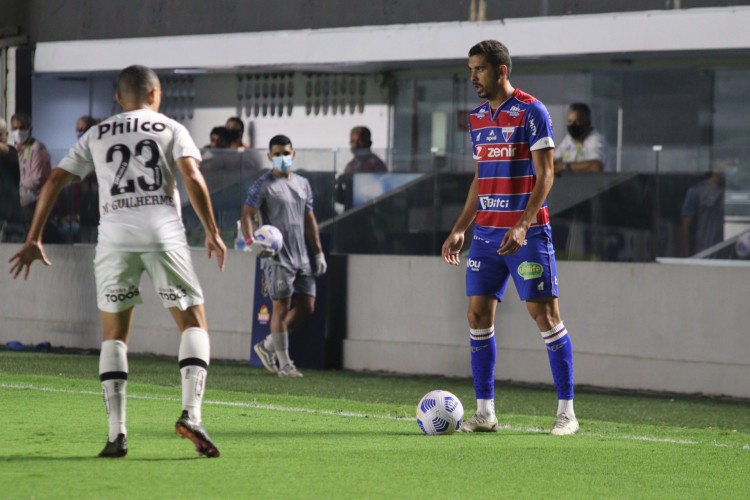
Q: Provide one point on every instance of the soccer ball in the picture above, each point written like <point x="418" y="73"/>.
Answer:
<point x="271" y="235"/>
<point x="742" y="247"/>
<point x="439" y="412"/>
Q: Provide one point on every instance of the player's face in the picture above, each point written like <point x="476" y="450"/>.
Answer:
<point x="484" y="77"/>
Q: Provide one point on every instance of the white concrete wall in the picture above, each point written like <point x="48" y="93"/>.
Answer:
<point x="658" y="327"/>
<point x="663" y="327"/>
<point x="58" y="304"/>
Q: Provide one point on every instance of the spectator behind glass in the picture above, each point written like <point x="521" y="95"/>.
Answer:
<point x="703" y="210"/>
<point x="236" y="128"/>
<point x="34" y="162"/>
<point x="583" y="149"/>
<point x="219" y="138"/>
<point x="10" y="209"/>
<point x="364" y="161"/>
<point x="83" y="124"/>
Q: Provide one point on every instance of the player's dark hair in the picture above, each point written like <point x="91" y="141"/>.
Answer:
<point x="279" y="140"/>
<point x="137" y="81"/>
<point x="583" y="111"/>
<point x="237" y="119"/>
<point x="494" y="52"/>
<point x="365" y="136"/>
<point x="24" y="118"/>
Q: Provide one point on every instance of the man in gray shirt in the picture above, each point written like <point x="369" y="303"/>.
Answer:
<point x="284" y="199"/>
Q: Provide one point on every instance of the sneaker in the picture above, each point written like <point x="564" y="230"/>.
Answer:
<point x="290" y="371"/>
<point x="478" y="423"/>
<point x="197" y="434"/>
<point x="115" y="449"/>
<point x="564" y="425"/>
<point x="267" y="357"/>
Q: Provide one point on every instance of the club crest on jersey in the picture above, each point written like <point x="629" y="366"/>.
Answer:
<point x="508" y="132"/>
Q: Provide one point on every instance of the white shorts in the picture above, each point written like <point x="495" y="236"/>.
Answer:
<point x="118" y="277"/>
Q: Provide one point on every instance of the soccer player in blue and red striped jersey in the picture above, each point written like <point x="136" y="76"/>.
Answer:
<point x="511" y="134"/>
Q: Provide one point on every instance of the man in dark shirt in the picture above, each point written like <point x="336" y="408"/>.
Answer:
<point x="364" y="162"/>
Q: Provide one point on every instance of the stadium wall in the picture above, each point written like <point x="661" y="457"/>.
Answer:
<point x="641" y="326"/>
<point x="58" y="304"/>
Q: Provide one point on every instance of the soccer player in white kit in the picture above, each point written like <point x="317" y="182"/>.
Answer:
<point x="136" y="155"/>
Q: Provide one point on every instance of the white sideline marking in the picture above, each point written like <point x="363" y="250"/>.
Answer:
<point x="259" y="406"/>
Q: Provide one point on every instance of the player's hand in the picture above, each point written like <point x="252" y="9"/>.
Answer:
<point x="452" y="247"/>
<point x="320" y="264"/>
<point x="214" y="244"/>
<point x="261" y="249"/>
<point x="29" y="252"/>
<point x="512" y="241"/>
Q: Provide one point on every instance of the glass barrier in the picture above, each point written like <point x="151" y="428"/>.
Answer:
<point x="383" y="203"/>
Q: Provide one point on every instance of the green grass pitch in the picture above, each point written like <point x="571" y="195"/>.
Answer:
<point x="353" y="435"/>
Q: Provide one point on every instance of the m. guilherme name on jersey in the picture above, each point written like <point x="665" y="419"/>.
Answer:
<point x="503" y="142"/>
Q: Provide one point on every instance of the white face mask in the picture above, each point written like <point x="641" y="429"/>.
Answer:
<point x="21" y="135"/>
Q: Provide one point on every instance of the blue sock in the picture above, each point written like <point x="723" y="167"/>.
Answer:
<point x="560" y="354"/>
<point x="483" y="356"/>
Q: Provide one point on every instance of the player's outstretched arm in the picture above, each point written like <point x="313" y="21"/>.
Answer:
<point x="32" y="249"/>
<point x="455" y="241"/>
<point x="201" y="202"/>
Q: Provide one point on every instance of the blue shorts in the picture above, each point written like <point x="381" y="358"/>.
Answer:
<point x="532" y="268"/>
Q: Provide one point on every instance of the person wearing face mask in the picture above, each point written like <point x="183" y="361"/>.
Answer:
<point x="284" y="199"/>
<point x="364" y="162"/>
<point x="34" y="163"/>
<point x="583" y="149"/>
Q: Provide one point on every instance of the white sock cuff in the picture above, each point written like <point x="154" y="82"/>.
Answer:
<point x="194" y="344"/>
<point x="113" y="357"/>
<point x="557" y="332"/>
<point x="482" y="333"/>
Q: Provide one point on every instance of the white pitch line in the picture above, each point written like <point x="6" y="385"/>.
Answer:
<point x="259" y="406"/>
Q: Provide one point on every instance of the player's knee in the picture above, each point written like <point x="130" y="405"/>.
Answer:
<point x="478" y="320"/>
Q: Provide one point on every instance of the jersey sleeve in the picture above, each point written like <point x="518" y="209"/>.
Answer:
<point x="184" y="144"/>
<point x="256" y="194"/>
<point x="309" y="201"/>
<point x="79" y="160"/>
<point x="539" y="127"/>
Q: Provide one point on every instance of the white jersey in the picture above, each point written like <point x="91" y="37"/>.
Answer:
<point x="594" y="147"/>
<point x="133" y="155"/>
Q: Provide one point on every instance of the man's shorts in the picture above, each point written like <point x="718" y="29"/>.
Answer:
<point x="532" y="268"/>
<point x="283" y="282"/>
<point x="118" y="277"/>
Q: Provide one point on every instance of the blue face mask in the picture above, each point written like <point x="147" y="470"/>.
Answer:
<point x="282" y="163"/>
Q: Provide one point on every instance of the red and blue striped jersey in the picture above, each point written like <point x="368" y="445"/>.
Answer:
<point x="502" y="143"/>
